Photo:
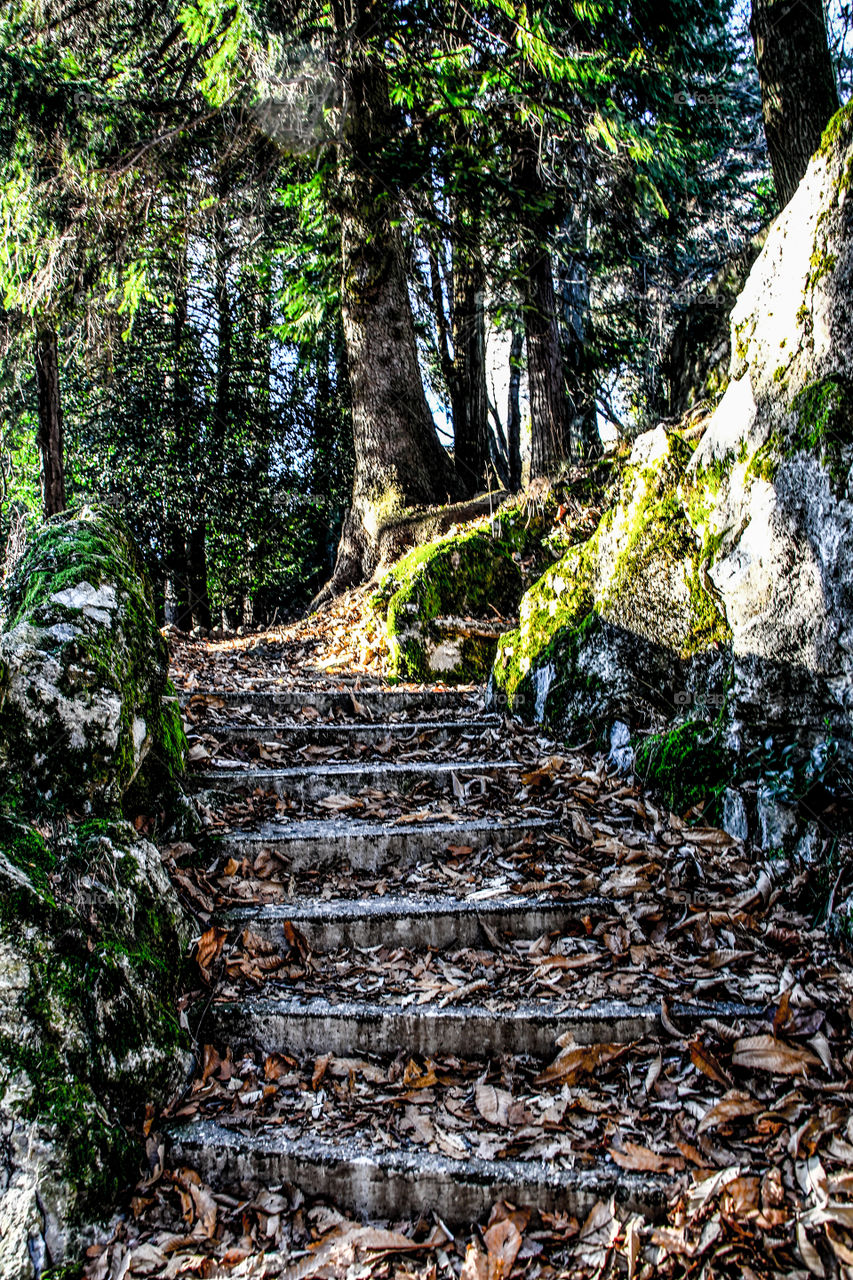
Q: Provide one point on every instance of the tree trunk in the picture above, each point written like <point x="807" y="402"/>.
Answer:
<point x="573" y="290"/>
<point x="513" y="417"/>
<point x="49" y="436"/>
<point x="177" y="567"/>
<point x="799" y="94"/>
<point x="470" y="407"/>
<point x="199" y="598"/>
<point x="177" y="564"/>
<point x="399" y="460"/>
<point x="550" y="428"/>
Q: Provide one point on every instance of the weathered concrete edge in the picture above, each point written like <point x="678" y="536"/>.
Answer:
<point x="316" y="1025"/>
<point x="392" y="1184"/>
<point x="437" y="922"/>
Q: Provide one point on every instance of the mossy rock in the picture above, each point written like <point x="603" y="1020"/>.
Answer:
<point x="688" y="766"/>
<point x="478" y="573"/>
<point x="633" y="596"/>
<point x="92" y="940"/>
<point x="85" y="668"/>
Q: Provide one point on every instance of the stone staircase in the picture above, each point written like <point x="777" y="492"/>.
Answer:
<point x="334" y="1042"/>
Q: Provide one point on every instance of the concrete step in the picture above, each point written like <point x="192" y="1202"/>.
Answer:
<point x="369" y="846"/>
<point x="410" y="922"/>
<point x="379" y="701"/>
<point x="389" y="1185"/>
<point x="313" y="782"/>
<point x="323" y="734"/>
<point x="316" y="1026"/>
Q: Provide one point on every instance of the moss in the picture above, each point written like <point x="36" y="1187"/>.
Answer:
<point x="101" y="1036"/>
<point x="838" y="134"/>
<point x="476" y="573"/>
<point x="661" y="535"/>
<point x="112" y="653"/>
<point x="559" y="601"/>
<point x="655" y="545"/>
<point x="158" y="787"/>
<point x="28" y="850"/>
<point x="688" y="765"/>
<point x="824" y="423"/>
<point x="571" y="683"/>
<point x="764" y="463"/>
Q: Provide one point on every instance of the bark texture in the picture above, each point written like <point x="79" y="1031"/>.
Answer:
<point x="470" y="400"/>
<point x="49" y="437"/>
<point x="798" y="90"/>
<point x="399" y="460"/>
<point x="550" y="427"/>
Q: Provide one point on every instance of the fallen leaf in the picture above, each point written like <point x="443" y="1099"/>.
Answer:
<point x="734" y="1106"/>
<point x="766" y="1053"/>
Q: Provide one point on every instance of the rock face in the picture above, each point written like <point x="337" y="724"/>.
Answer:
<point x="92" y="936"/>
<point x="718" y="590"/>
<point x="618" y="629"/>
<point x="85" y="667"/>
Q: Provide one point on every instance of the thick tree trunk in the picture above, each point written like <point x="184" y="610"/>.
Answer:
<point x="550" y="427"/>
<point x="49" y="436"/>
<point x="798" y="90"/>
<point x="513" y="417"/>
<point x="399" y="460"/>
<point x="471" y="407"/>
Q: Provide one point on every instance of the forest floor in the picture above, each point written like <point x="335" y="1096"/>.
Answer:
<point x="733" y="1102"/>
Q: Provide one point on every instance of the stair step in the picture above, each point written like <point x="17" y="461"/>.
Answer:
<point x="389" y="1185"/>
<point x="368" y="846"/>
<point x="299" y="735"/>
<point x="314" y="782"/>
<point x="410" y="922"/>
<point x="384" y="701"/>
<point x="317" y="1026"/>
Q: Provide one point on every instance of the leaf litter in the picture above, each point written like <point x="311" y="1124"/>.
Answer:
<point x="750" y="1121"/>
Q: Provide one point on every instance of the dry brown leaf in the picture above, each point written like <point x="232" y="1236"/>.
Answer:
<point x="339" y="803"/>
<point x="210" y="946"/>
<point x="766" y="1053"/>
<point x="736" y="1105"/>
<point x="704" y="1061"/>
<point x="632" y="1155"/>
<point x="320" y="1067"/>
<point x="503" y="1241"/>
<point x="497" y="1106"/>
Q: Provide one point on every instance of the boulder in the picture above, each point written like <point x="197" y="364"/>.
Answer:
<point x="84" y="700"/>
<point x="718" y="589"/>
<point x="445" y="603"/>
<point x="92" y="940"/>
<point x="92" y="935"/>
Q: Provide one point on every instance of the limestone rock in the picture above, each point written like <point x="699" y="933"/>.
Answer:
<point x="718" y="589"/>
<point x="92" y="936"/>
<point x="91" y="944"/>
<point x="85" y="668"/>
